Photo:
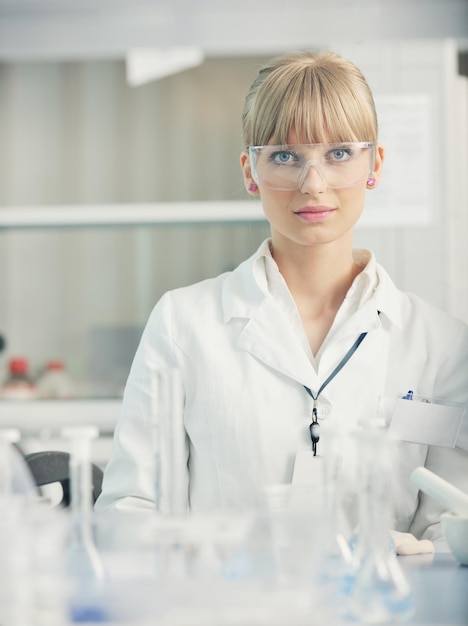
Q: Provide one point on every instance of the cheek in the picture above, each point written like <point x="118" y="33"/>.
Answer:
<point x="353" y="199"/>
<point x="274" y="201"/>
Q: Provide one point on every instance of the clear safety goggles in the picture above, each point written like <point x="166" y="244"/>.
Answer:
<point x="285" y="167"/>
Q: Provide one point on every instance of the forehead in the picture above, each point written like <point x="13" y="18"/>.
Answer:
<point x="294" y="138"/>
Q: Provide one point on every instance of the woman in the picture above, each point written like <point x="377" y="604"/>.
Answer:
<point x="305" y="331"/>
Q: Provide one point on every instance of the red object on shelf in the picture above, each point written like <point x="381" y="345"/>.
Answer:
<point x="19" y="366"/>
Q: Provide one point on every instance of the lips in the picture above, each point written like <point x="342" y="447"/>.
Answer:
<point x="315" y="213"/>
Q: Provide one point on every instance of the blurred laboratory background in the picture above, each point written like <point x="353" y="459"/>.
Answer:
<point x="119" y="168"/>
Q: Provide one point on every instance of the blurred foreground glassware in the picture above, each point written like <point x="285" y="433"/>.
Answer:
<point x="46" y="529"/>
<point x="15" y="579"/>
<point x="85" y="568"/>
<point x="15" y="477"/>
<point x="31" y="545"/>
<point x="379" y="591"/>
<point x="170" y="462"/>
<point x="339" y="509"/>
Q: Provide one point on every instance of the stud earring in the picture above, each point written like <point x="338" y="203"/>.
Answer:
<point x="253" y="187"/>
<point x="371" y="182"/>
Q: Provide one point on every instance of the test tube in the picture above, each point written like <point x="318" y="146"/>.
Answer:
<point x="168" y="442"/>
<point x="83" y="548"/>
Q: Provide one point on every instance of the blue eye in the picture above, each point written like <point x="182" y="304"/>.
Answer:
<point x="283" y="157"/>
<point x="340" y="154"/>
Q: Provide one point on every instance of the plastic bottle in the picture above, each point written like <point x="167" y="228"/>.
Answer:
<point x="54" y="381"/>
<point x="18" y="384"/>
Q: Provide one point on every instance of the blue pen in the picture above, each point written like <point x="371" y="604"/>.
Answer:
<point x="408" y="396"/>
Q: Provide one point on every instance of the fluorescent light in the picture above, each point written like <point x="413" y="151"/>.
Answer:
<point x="147" y="64"/>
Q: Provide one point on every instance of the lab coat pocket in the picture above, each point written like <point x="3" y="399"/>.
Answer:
<point x="428" y="421"/>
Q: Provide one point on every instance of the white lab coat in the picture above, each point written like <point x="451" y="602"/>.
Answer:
<point x="246" y="412"/>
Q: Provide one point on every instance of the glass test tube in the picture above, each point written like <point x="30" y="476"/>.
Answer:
<point x="168" y="442"/>
<point x="83" y="549"/>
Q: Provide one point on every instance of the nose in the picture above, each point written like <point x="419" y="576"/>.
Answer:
<point x="311" y="180"/>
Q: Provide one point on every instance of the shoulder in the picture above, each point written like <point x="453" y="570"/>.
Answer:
<point x="210" y="297"/>
<point x="434" y="319"/>
<point x="410" y="311"/>
<point x="193" y="302"/>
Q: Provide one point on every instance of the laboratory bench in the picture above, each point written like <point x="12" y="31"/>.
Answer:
<point x="439" y="584"/>
<point x="439" y="587"/>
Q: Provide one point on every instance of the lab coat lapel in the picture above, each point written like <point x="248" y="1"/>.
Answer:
<point x="267" y="334"/>
<point x="269" y="337"/>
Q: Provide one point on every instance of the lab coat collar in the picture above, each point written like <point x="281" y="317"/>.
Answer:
<point x="388" y="298"/>
<point x="268" y="334"/>
<point x="246" y="288"/>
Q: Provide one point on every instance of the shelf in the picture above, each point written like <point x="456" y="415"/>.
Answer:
<point x="14" y="217"/>
<point x="34" y="416"/>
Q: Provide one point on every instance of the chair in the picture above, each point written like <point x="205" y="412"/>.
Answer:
<point x="53" y="466"/>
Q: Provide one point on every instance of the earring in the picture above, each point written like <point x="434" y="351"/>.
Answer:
<point x="253" y="187"/>
<point x="371" y="182"/>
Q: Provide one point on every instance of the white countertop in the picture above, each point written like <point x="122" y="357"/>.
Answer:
<point x="32" y="416"/>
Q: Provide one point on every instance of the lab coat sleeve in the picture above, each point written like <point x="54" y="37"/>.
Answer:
<point x="449" y="463"/>
<point x="129" y="478"/>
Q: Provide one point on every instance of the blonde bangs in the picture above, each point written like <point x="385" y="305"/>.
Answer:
<point x="322" y="97"/>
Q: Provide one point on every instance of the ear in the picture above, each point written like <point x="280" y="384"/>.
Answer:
<point x="247" y="173"/>
<point x="378" y="166"/>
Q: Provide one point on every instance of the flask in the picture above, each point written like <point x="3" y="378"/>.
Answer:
<point x="54" y="381"/>
<point x="18" y="384"/>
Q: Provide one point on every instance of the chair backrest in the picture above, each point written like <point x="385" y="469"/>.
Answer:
<point x="53" y="466"/>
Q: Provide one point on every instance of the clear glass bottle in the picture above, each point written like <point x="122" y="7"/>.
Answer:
<point x="54" y="382"/>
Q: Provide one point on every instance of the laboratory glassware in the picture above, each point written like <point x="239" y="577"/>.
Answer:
<point x="379" y="590"/>
<point x="85" y="566"/>
<point x="170" y="463"/>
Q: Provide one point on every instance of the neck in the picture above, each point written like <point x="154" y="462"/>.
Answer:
<point x="320" y="274"/>
<point x="318" y="278"/>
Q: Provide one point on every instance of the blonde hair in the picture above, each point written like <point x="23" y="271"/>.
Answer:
<point x="322" y="96"/>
